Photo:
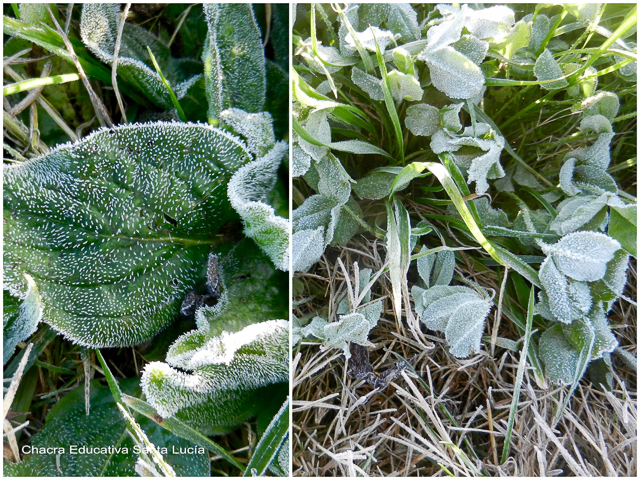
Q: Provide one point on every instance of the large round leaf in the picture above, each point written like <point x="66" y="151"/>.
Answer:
<point x="115" y="230"/>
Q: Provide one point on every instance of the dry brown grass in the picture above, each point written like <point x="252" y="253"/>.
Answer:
<point x="340" y="429"/>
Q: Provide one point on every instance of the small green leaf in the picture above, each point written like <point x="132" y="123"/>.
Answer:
<point x="270" y="443"/>
<point x="547" y="68"/>
<point x="560" y="358"/>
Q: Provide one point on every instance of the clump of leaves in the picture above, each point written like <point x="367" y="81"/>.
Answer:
<point x="500" y="132"/>
<point x="108" y="236"/>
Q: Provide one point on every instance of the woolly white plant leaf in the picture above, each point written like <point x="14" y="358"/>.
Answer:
<point x="547" y="68"/>
<point x="20" y="319"/>
<point x="233" y="57"/>
<point x="248" y="191"/>
<point x="556" y="287"/>
<point x="493" y="22"/>
<point x="603" y="103"/>
<point x="583" y="256"/>
<point x="230" y="373"/>
<point x="116" y="228"/>
<point x="459" y="312"/>
<point x="371" y="85"/>
<point x="334" y="183"/>
<point x="99" y="28"/>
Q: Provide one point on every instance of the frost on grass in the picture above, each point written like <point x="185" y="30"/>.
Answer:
<point x="458" y="312"/>
<point x="233" y="57"/>
<point x="20" y="322"/>
<point x="301" y="161"/>
<point x="142" y="204"/>
<point x="583" y="256"/>
<point x="229" y="376"/>
<point x="99" y="29"/>
<point x="248" y="192"/>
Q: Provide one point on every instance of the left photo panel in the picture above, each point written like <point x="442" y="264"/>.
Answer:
<point x="146" y="239"/>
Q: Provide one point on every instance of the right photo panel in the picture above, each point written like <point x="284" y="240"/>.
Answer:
<point x="464" y="239"/>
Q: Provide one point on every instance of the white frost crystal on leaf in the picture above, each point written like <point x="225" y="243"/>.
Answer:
<point x="371" y="85"/>
<point x="257" y="128"/>
<point x="318" y="127"/>
<point x="404" y="86"/>
<point x="98" y="29"/>
<point x="301" y="161"/>
<point x="575" y="212"/>
<point x="459" y="312"/>
<point x="308" y="247"/>
<point x="228" y="371"/>
<point x="423" y="119"/>
<point x="114" y="228"/>
<point x="560" y="358"/>
<point x="583" y="256"/>
<point x="492" y="22"/>
<point x="248" y="191"/>
<point x="452" y="72"/>
<point x="547" y="68"/>
<point x="369" y="37"/>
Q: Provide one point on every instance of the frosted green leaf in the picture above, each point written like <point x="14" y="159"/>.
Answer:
<point x="436" y="268"/>
<point x="366" y="39"/>
<point x="68" y="424"/>
<point x="614" y="281"/>
<point x="560" y="358"/>
<point x="404" y="86"/>
<point x="398" y="245"/>
<point x="404" y="20"/>
<point x="493" y="22"/>
<point x="539" y="30"/>
<point x="34" y="13"/>
<point x="376" y="184"/>
<point x="451" y="117"/>
<point x="422" y="119"/>
<point x="314" y="212"/>
<point x="596" y="123"/>
<point x="450" y="30"/>
<point x="318" y="127"/>
<point x="351" y="12"/>
<point x="576" y="212"/>
<point x="490" y="216"/>
<point x="233" y="57"/>
<point x="472" y="47"/>
<point x="556" y="287"/>
<point x="374" y="13"/>
<point x="465" y="327"/>
<point x="584" y="12"/>
<point x="142" y="206"/>
<point x="517" y="38"/>
<point x="592" y="328"/>
<point x="606" y="104"/>
<point x="21" y="322"/>
<point x="403" y="60"/>
<point x="623" y="226"/>
<point x="459" y="312"/>
<point x="583" y="256"/>
<point x="248" y="192"/>
<point x="580" y="295"/>
<point x="597" y="154"/>
<point x="566" y="177"/>
<point x="296" y="330"/>
<point x="452" y="73"/>
<point x="301" y="161"/>
<point x="371" y="85"/>
<point x="308" y="247"/>
<point x="256" y="128"/>
<point x="364" y="277"/>
<point x="99" y="28"/>
<point x="230" y="374"/>
<point x="486" y="166"/>
<point x="334" y="181"/>
<point x="353" y="327"/>
<point x="547" y="68"/>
